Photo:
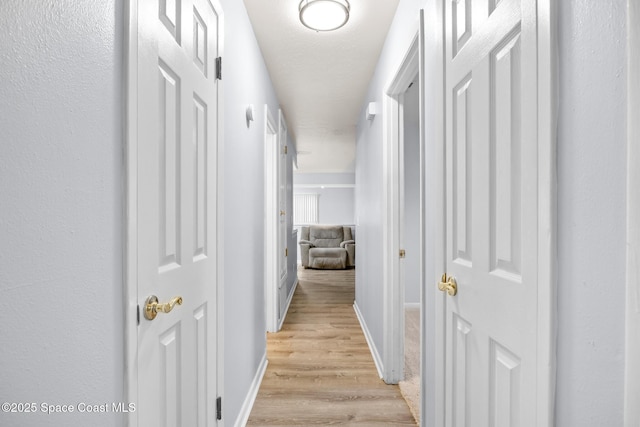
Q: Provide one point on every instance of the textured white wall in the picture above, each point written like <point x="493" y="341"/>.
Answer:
<point x="246" y="81"/>
<point x="591" y="212"/>
<point x="61" y="208"/>
<point x="335" y="205"/>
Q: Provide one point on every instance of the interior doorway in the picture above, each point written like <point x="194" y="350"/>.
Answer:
<point x="403" y="215"/>
<point x="174" y="204"/>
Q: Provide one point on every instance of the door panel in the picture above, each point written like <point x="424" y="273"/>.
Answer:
<point x="505" y="155"/>
<point x="462" y="167"/>
<point x="176" y="175"/>
<point x="169" y="176"/>
<point x="504" y="387"/>
<point x="492" y="213"/>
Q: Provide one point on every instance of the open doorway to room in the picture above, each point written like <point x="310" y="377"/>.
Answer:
<point x="404" y="227"/>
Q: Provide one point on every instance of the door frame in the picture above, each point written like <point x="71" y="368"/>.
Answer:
<point x="130" y="184"/>
<point x="547" y="221"/>
<point x="632" y="344"/>
<point x="271" y="219"/>
<point x="432" y="408"/>
<point x="393" y="163"/>
<point x="283" y="131"/>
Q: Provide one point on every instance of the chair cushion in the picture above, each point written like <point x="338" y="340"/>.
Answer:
<point x="326" y="236"/>
<point x="328" y="258"/>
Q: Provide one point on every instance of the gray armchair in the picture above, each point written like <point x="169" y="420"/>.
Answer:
<point x="327" y="247"/>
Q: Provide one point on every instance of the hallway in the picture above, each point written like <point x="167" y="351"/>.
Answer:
<point x="320" y="368"/>
<point x="74" y="282"/>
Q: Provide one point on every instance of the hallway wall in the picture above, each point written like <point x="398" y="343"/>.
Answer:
<point x="591" y="212"/>
<point x="246" y="81"/>
<point x="336" y="191"/>
<point x="61" y="208"/>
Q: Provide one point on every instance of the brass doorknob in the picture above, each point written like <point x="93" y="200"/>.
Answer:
<point x="448" y="285"/>
<point x="152" y="306"/>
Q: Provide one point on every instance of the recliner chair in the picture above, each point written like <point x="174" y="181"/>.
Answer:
<point x="327" y="247"/>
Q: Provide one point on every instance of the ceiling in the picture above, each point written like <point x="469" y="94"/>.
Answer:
<point x="321" y="78"/>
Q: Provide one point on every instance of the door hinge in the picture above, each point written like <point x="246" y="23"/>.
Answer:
<point x="285" y="149"/>
<point x="219" y="408"/>
<point x="138" y="314"/>
<point x="219" y="68"/>
<point x="402" y="253"/>
<point x="286" y="251"/>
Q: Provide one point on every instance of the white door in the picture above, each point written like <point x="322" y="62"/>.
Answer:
<point x="495" y="339"/>
<point x="282" y="221"/>
<point x="177" y="200"/>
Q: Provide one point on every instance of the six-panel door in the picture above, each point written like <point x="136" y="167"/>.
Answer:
<point x="177" y="158"/>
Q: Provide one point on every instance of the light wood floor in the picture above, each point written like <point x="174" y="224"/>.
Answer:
<point x="320" y="368"/>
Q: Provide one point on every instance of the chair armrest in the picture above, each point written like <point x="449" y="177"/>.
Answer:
<point x="347" y="242"/>
<point x="306" y="242"/>
<point x="304" y="253"/>
<point x="351" y="253"/>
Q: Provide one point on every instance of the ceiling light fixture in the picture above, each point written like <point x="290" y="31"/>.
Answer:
<point x="324" y="15"/>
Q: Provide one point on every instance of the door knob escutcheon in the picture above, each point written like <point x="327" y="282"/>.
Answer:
<point x="448" y="285"/>
<point x="152" y="306"/>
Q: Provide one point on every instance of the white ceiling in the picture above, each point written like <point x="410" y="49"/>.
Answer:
<point x="321" y="78"/>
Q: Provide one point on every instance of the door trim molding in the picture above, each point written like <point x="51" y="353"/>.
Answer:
<point x="283" y="233"/>
<point x="131" y="210"/>
<point x="130" y="184"/>
<point x="432" y="300"/>
<point x="393" y="301"/>
<point x="270" y="218"/>
<point x="632" y="344"/>
<point x="288" y="304"/>
<point x="547" y="209"/>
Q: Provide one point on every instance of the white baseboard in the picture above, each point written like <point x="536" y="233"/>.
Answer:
<point x="372" y="348"/>
<point x="289" y="298"/>
<point x="411" y="305"/>
<point x="245" y="411"/>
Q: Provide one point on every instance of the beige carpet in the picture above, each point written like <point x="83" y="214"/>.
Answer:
<point x="410" y="387"/>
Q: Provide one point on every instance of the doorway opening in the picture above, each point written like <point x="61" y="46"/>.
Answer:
<point x="404" y="225"/>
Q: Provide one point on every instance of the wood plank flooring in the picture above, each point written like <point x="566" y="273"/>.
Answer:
<point x="320" y="368"/>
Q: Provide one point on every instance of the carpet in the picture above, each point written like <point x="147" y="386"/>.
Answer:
<point x="410" y="386"/>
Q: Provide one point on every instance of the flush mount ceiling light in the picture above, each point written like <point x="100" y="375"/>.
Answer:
<point x="324" y="15"/>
